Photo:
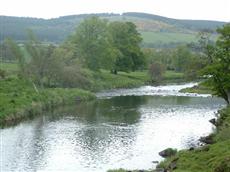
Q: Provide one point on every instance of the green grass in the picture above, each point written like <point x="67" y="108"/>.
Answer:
<point x="10" y="68"/>
<point x="19" y="97"/>
<point x="202" y="160"/>
<point x="104" y="79"/>
<point x="172" y="75"/>
<point x="223" y="132"/>
<point x="164" y="37"/>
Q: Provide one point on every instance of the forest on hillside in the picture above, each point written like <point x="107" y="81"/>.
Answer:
<point x="157" y="31"/>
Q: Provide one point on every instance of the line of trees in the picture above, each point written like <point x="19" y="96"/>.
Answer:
<point x="96" y="45"/>
<point x="181" y="59"/>
<point x="114" y="46"/>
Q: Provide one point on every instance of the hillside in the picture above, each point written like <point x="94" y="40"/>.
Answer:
<point x="156" y="30"/>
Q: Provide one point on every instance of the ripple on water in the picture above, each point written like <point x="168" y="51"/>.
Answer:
<point x="119" y="132"/>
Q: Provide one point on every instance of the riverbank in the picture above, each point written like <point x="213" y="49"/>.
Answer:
<point x="19" y="99"/>
<point x="213" y="157"/>
<point x="201" y="88"/>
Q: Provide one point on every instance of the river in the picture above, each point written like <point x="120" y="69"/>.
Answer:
<point x="123" y="128"/>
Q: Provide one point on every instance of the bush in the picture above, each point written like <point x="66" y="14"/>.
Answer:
<point x="2" y="74"/>
<point x="73" y="77"/>
<point x="156" y="71"/>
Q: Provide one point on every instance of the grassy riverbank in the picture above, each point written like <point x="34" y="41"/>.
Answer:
<point x="209" y="158"/>
<point x="20" y="99"/>
<point x="199" y="89"/>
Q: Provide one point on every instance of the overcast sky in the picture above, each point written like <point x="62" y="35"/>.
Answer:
<point x="180" y="9"/>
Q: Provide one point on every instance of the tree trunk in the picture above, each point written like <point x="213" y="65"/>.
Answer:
<point x="228" y="96"/>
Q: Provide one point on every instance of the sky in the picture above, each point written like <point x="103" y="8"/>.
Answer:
<point x="179" y="9"/>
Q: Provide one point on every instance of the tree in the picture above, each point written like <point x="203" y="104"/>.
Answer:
<point x="92" y="43"/>
<point x="5" y="51"/>
<point x="40" y="59"/>
<point x="218" y="69"/>
<point x="16" y="52"/>
<point x="156" y="71"/>
<point x="163" y="56"/>
<point x="182" y="57"/>
<point x="126" y="40"/>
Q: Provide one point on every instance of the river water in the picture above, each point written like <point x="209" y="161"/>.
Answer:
<point x="123" y="128"/>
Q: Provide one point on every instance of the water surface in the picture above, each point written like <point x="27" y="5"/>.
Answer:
<point x="122" y="129"/>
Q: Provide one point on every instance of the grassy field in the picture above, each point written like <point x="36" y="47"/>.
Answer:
<point x="103" y="79"/>
<point x="164" y="37"/>
<point x="106" y="80"/>
<point x="9" y="68"/>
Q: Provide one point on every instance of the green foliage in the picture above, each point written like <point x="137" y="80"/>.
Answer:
<point x="16" y="52"/>
<point x="72" y="76"/>
<point x="164" y="56"/>
<point x="126" y="40"/>
<point x="182" y="57"/>
<point x="218" y="69"/>
<point x="92" y="43"/>
<point x="113" y="46"/>
<point x="194" y="64"/>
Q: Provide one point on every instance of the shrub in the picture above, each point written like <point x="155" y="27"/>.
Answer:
<point x="156" y="71"/>
<point x="2" y="74"/>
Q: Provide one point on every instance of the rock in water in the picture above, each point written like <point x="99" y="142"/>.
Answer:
<point x="168" y="152"/>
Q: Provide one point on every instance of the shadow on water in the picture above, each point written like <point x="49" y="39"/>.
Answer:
<point x="120" y="110"/>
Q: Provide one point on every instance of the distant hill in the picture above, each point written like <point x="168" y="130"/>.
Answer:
<point x="156" y="30"/>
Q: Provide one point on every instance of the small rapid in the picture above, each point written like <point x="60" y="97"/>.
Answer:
<point x="165" y="90"/>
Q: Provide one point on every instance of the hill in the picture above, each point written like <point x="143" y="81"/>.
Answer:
<point x="156" y="30"/>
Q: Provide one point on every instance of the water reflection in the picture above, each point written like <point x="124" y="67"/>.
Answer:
<point x="125" y="131"/>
